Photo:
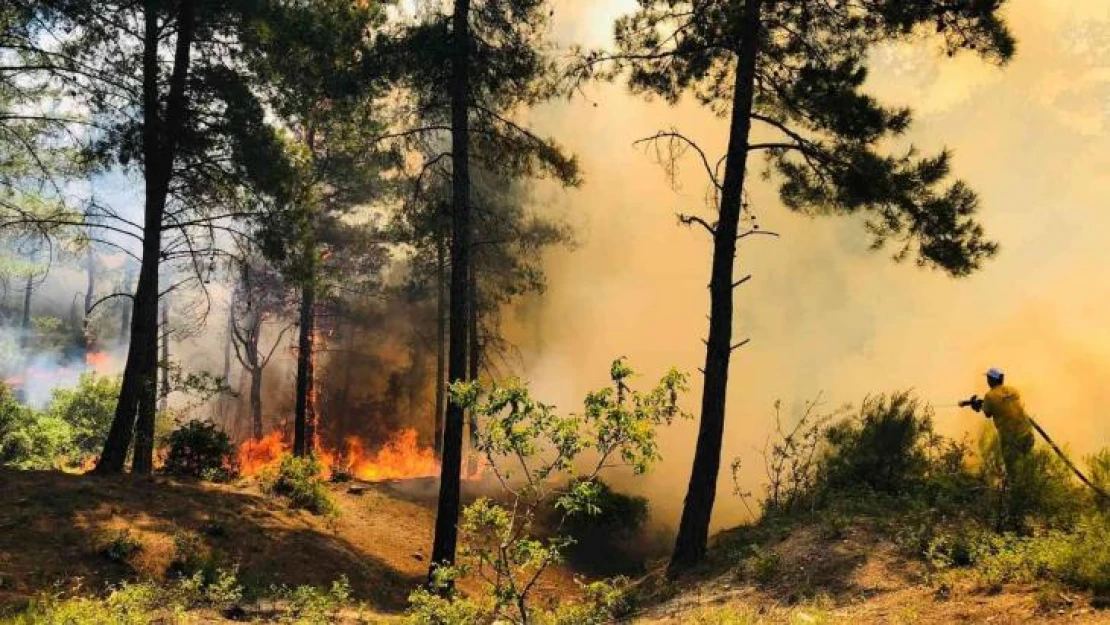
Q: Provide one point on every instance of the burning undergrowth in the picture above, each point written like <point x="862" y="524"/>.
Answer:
<point x="400" y="457"/>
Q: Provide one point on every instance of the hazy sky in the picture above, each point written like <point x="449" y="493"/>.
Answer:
<point x="824" y="313"/>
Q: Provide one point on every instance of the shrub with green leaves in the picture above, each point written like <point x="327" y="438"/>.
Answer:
<point x="30" y="439"/>
<point x="544" y="460"/>
<point x="884" y="448"/>
<point x="200" y="449"/>
<point x="88" y="408"/>
<point x="299" y="480"/>
<point x="605" y="542"/>
<point x="119" y="546"/>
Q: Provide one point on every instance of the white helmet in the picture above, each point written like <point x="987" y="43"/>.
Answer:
<point x="994" y="373"/>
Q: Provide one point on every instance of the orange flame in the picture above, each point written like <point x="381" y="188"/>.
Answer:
<point x="99" y="362"/>
<point x="257" y="454"/>
<point x="401" y="457"/>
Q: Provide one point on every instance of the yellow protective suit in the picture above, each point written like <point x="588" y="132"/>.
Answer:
<point x="1003" y="404"/>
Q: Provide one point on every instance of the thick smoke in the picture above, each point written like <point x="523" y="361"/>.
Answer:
<point x="824" y="313"/>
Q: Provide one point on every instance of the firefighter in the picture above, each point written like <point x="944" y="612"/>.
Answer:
<point x="1002" y="404"/>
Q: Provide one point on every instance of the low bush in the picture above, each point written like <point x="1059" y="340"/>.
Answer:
<point x="608" y="541"/>
<point x="200" y="449"/>
<point x="88" y="408"/>
<point x="300" y="481"/>
<point x="885" y="448"/>
<point x="30" y="439"/>
<point x="69" y="430"/>
<point x="311" y="605"/>
<point x="119" y="546"/>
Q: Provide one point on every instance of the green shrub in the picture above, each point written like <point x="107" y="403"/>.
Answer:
<point x="88" y="408"/>
<point x="763" y="564"/>
<point x="605" y="541"/>
<point x="200" y="449"/>
<point x="311" y="605"/>
<point x="885" y="448"/>
<point x="192" y="558"/>
<point x="298" y="479"/>
<point x="30" y="439"/>
<point x="1043" y="490"/>
<point x="119" y="546"/>
<point x="137" y="603"/>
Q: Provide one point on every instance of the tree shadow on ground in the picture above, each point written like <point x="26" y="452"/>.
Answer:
<point x="53" y="527"/>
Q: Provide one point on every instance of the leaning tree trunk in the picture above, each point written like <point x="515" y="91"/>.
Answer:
<point x="160" y="138"/>
<point x="447" y="511"/>
<point x="303" y="426"/>
<point x="693" y="531"/>
<point x="441" y="341"/>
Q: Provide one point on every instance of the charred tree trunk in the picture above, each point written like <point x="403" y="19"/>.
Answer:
<point x="160" y="137"/>
<point x="303" y="426"/>
<point x="693" y="531"/>
<point x="447" y="511"/>
<point x="441" y="341"/>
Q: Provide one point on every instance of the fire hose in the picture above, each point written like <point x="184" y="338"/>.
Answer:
<point x="976" y="403"/>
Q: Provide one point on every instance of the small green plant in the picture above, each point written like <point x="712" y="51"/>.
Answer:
<point x="310" y="605"/>
<point x="200" y="449"/>
<point x="118" y="546"/>
<point x="559" y="459"/>
<point x="763" y="564"/>
<point x="300" y="481"/>
<point x="139" y="603"/>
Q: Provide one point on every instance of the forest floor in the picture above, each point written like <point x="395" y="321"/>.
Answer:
<point x="54" y="527"/>
<point x="804" y="576"/>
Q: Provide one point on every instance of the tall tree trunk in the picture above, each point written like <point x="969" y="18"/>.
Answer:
<point x="25" y="335"/>
<point x="137" y="390"/>
<point x="447" y="511"/>
<point x="303" y="426"/>
<point x="256" y="402"/>
<point x="693" y="531"/>
<point x="90" y="292"/>
<point x="164" y="361"/>
<point x="126" y="306"/>
<point x="474" y="360"/>
<point x="441" y="340"/>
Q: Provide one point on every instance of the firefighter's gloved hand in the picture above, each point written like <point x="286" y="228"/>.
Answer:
<point x="974" y="403"/>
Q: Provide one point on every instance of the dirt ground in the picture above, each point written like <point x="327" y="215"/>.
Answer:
<point x="52" y="525"/>
<point x="855" y="578"/>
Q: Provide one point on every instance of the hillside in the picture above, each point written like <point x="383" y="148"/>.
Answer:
<point x="54" y="527"/>
<point x="810" y="572"/>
